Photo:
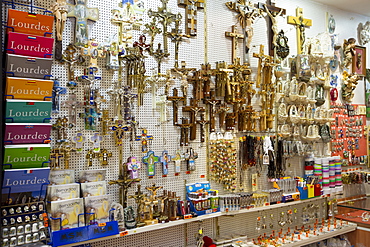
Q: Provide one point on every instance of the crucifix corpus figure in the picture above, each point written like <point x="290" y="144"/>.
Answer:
<point x="301" y="24"/>
<point x="247" y="14"/>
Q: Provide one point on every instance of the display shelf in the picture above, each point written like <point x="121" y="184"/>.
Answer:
<point x="350" y="228"/>
<point x="199" y="218"/>
<point x="360" y="204"/>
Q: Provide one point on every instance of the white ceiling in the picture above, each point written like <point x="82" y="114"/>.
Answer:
<point x="357" y="6"/>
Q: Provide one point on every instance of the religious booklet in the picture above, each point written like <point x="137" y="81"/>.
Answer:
<point x="28" y="88"/>
<point x="27" y="111"/>
<point x="27" y="45"/>
<point x="92" y="175"/>
<point x="26" y="156"/>
<point x="28" y="67"/>
<point x="24" y="185"/>
<point x="62" y="176"/>
<point x="22" y="133"/>
<point x="30" y="23"/>
<point x="94" y="188"/>
<point x="63" y="192"/>
<point x="66" y="214"/>
<point x="97" y="209"/>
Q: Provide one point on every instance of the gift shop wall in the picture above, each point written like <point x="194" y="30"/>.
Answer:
<point x="210" y="45"/>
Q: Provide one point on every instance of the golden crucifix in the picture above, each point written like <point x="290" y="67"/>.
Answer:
<point x="301" y="24"/>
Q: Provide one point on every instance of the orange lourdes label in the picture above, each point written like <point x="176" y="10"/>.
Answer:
<point x="24" y="22"/>
<point x="28" y="89"/>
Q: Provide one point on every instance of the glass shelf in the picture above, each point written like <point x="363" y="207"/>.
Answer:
<point x="359" y="204"/>
<point x="357" y="210"/>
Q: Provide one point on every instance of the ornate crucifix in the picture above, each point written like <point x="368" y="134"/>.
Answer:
<point x="176" y="37"/>
<point x="82" y="13"/>
<point x="139" y="198"/>
<point x="261" y="57"/>
<point x="175" y="104"/>
<point x="191" y="7"/>
<point x="213" y="102"/>
<point x="92" y="51"/>
<point x="273" y="13"/>
<point x="165" y="17"/>
<point x="124" y="182"/>
<point x="194" y="109"/>
<point x="202" y="122"/>
<point x="185" y="126"/>
<point x="235" y="36"/>
<point x="247" y="14"/>
<point x="300" y="24"/>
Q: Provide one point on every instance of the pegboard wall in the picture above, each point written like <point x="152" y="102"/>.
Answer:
<point x="212" y="23"/>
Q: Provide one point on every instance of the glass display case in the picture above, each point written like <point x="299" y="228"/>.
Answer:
<point x="357" y="210"/>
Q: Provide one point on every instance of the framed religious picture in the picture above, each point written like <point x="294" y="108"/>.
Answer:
<point x="359" y="61"/>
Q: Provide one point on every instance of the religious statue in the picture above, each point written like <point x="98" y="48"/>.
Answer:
<point x="59" y="9"/>
<point x="273" y="16"/>
<point x="349" y="51"/>
<point x="365" y="33"/>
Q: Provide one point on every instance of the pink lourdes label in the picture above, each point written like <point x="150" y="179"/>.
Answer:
<point x="29" y="45"/>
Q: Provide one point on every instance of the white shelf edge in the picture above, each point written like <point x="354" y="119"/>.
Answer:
<point x="181" y="222"/>
<point x="324" y="236"/>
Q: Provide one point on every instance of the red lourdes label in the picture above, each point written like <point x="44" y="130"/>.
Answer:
<point x="29" y="45"/>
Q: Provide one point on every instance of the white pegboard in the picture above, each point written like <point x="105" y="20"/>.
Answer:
<point x="166" y="136"/>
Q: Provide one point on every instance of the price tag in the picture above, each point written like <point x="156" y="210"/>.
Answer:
<point x="102" y="224"/>
<point x="202" y="176"/>
<point x="121" y="234"/>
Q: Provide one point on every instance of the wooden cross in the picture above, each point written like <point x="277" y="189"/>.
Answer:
<point x="273" y="13"/>
<point x="213" y="102"/>
<point x="144" y="137"/>
<point x="222" y="114"/>
<point x="300" y="23"/>
<point x="183" y="72"/>
<point x="191" y="7"/>
<point x="165" y="18"/>
<point x="176" y="36"/>
<point x="93" y="51"/>
<point x="202" y="123"/>
<point x="222" y="77"/>
<point x="124" y="182"/>
<point x="261" y="57"/>
<point x="205" y="74"/>
<point x="194" y="109"/>
<point x="150" y="160"/>
<point x="235" y="36"/>
<point x="139" y="198"/>
<point x="82" y="14"/>
<point x="55" y="156"/>
<point x="175" y="104"/>
<point x="185" y="126"/>
<point x="247" y="14"/>
<point x="133" y="166"/>
<point x="165" y="159"/>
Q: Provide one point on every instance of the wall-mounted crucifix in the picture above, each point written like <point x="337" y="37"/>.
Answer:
<point x="300" y="23"/>
<point x="82" y="13"/>
<point x="235" y="36"/>
<point x="273" y="13"/>
<point x="191" y="8"/>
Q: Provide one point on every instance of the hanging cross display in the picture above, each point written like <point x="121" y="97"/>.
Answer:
<point x="165" y="159"/>
<point x="124" y="182"/>
<point x="150" y="160"/>
<point x="55" y="156"/>
<point x="247" y="14"/>
<point x="96" y="139"/>
<point x="144" y="137"/>
<point x="133" y="166"/>
<point x="191" y="8"/>
<point x="190" y="157"/>
<point x="194" y="109"/>
<point x="177" y="158"/>
<point x="213" y="102"/>
<point x="152" y="29"/>
<point x="92" y="51"/>
<point x="202" y="123"/>
<point x="300" y="24"/>
<point x="235" y="36"/>
<point x="82" y="14"/>
<point x="79" y="139"/>
<point x="183" y="72"/>
<point x="165" y="17"/>
<point x="176" y="37"/>
<point x="185" y="126"/>
<point x="159" y="55"/>
<point x="103" y="156"/>
<point x="273" y="13"/>
<point x="162" y="103"/>
<point x="105" y="120"/>
<point x="175" y="104"/>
